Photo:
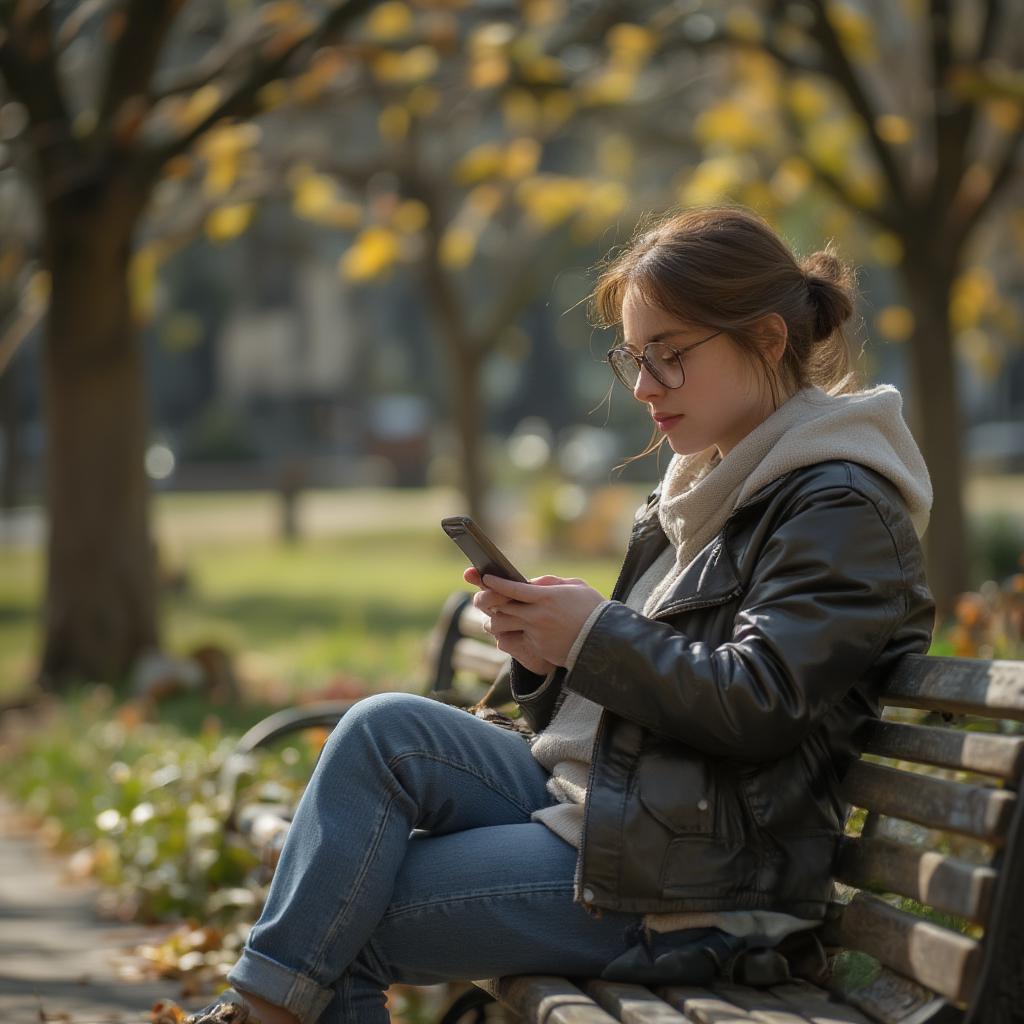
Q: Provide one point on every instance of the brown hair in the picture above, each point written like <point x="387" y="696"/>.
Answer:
<point x="725" y="267"/>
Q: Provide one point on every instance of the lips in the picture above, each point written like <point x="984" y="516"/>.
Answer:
<point x="665" y="421"/>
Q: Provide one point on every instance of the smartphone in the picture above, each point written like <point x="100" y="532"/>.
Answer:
<point x="484" y="555"/>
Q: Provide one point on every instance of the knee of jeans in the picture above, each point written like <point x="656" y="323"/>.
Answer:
<point x="382" y="718"/>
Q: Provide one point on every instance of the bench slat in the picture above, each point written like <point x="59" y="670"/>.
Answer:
<point x="762" y="1005"/>
<point x="973" y="686"/>
<point x="980" y="752"/>
<point x="549" y="999"/>
<point x="704" y="1007"/>
<point x="471" y="623"/>
<point x="632" y="1004"/>
<point x="479" y="659"/>
<point x="944" y="883"/>
<point x="816" y="1005"/>
<point x="979" y="811"/>
<point x="940" y="959"/>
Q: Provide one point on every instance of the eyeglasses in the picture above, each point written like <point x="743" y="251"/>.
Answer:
<point x="663" y="362"/>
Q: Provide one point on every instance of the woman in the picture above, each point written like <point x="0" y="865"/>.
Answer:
<point x="679" y="791"/>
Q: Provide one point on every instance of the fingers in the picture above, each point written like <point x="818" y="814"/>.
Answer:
<point x="472" y="576"/>
<point x="510" y="588"/>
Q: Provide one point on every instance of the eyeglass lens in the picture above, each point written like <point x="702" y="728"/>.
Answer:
<point x="661" y="359"/>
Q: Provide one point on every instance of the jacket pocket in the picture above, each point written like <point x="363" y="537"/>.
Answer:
<point x="677" y="791"/>
<point x="693" y="864"/>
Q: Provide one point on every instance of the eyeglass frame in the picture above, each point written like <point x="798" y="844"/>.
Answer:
<point x="641" y="361"/>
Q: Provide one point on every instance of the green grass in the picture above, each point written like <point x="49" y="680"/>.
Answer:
<point x="293" y="617"/>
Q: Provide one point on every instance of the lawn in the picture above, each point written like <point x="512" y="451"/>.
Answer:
<point x="354" y="598"/>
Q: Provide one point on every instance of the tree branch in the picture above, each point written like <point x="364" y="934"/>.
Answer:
<point x="28" y="66"/>
<point x="241" y="100"/>
<point x="885" y="217"/>
<point x="838" y="67"/>
<point x="952" y="118"/>
<point x="134" y="56"/>
<point x="1004" y="167"/>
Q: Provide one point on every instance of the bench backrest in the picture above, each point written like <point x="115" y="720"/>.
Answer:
<point x="921" y="880"/>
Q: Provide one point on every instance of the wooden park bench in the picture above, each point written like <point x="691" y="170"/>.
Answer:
<point x="929" y="889"/>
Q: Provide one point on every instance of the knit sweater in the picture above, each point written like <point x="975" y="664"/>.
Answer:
<point x="698" y="493"/>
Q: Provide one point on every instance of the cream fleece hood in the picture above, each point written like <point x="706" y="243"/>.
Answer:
<point x="699" y="490"/>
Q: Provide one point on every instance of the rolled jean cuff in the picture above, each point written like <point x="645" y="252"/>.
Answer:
<point x="280" y="985"/>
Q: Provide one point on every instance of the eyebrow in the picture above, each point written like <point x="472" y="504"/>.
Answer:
<point x="660" y="336"/>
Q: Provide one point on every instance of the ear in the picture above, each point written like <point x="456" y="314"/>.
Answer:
<point x="772" y="330"/>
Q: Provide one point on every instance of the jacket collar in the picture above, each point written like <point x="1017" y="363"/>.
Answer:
<point x="711" y="578"/>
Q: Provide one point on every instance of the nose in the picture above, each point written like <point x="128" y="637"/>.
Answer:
<point x="646" y="386"/>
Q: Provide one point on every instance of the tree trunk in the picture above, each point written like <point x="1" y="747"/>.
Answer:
<point x="100" y="610"/>
<point x="10" y="468"/>
<point x="468" y="413"/>
<point x="936" y="419"/>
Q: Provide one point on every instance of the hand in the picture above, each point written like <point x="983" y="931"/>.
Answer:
<point x="537" y="621"/>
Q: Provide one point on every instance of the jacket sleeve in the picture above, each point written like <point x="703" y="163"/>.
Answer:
<point x="826" y="594"/>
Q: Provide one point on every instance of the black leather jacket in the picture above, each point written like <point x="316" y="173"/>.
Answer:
<point x="730" y="715"/>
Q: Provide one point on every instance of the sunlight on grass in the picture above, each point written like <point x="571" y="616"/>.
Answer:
<point x="294" y="617"/>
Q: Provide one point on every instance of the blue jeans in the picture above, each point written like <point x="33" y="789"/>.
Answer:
<point x="360" y="901"/>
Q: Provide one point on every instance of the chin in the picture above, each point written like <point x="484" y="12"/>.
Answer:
<point x="683" y="446"/>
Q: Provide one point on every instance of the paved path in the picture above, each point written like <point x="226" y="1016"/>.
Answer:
<point x="57" y="959"/>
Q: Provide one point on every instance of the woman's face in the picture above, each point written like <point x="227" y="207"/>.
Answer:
<point x="724" y="395"/>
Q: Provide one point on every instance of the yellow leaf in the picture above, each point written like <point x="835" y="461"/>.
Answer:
<point x="854" y="29"/>
<point x="423" y="100"/>
<point x="790" y="180"/>
<point x="550" y="199"/>
<point x="313" y="195"/>
<point x="142" y="280"/>
<point x="886" y="248"/>
<point x="831" y="143"/>
<point x="481" y="162"/>
<point x="521" y="158"/>
<point x="539" y="13"/>
<point x="488" y="71"/>
<point x="374" y="251"/>
<point x="274" y="94"/>
<point x="413" y="66"/>
<point x="200" y="104"/>
<point x="227" y="222"/>
<point x="457" y="247"/>
<point x="894" y="129"/>
<point x="393" y="123"/>
<point x="806" y="98"/>
<point x="731" y="123"/>
<point x="1005" y="114"/>
<point x="494" y="35"/>
<point x="744" y="24"/>
<point x="520" y="110"/>
<point x="556" y="108"/>
<point x="541" y="69"/>
<point x="390" y="21"/>
<point x="981" y="351"/>
<point x="611" y="87"/>
<point x="713" y="179"/>
<point x="973" y="293"/>
<point x="866" y="189"/>
<point x="484" y="201"/>
<point x="630" y="42"/>
<point x="410" y="216"/>
<point x="895" y="323"/>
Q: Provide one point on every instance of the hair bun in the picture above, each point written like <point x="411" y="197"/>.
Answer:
<point x="830" y="286"/>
